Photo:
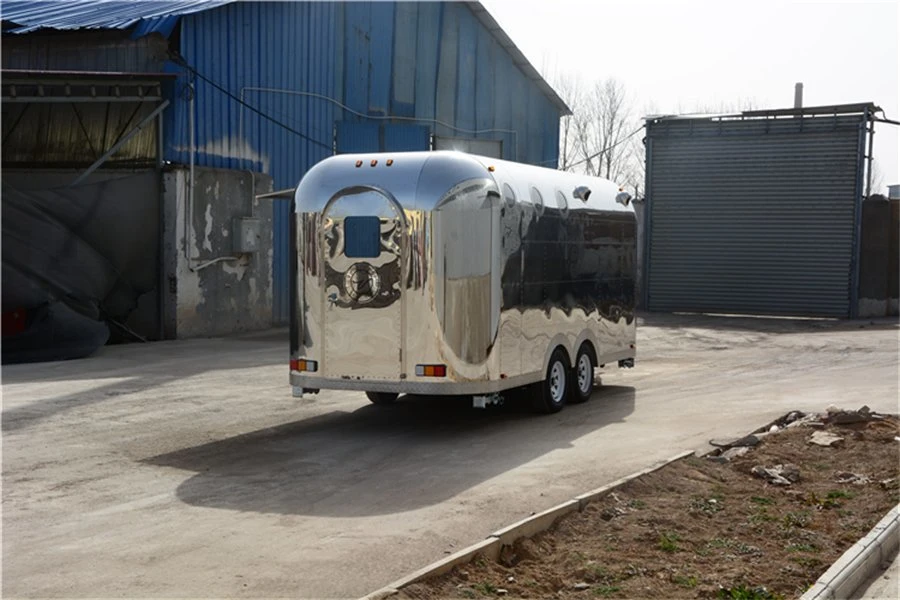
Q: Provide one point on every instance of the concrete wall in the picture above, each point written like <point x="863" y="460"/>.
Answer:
<point x="878" y="257"/>
<point x="213" y="289"/>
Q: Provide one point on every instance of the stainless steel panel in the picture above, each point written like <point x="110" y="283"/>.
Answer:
<point x="362" y="308"/>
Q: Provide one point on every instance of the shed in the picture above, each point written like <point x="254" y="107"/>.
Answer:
<point x="259" y="91"/>
<point x="757" y="212"/>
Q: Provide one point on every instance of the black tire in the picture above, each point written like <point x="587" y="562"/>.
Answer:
<point x="549" y="396"/>
<point x="581" y="384"/>
<point x="381" y="398"/>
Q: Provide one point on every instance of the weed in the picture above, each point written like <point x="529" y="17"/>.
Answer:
<point x="686" y="582"/>
<point x="486" y="588"/>
<point x="637" y="504"/>
<point x="742" y="592"/>
<point x="467" y="593"/>
<point x="836" y="494"/>
<point x="633" y="571"/>
<point x="667" y="542"/>
<point x="807" y="561"/>
<point x="739" y="547"/>
<point x="761" y="500"/>
<point x="801" y="548"/>
<point x="606" y="590"/>
<point x="599" y="573"/>
<point x="796" y="519"/>
<point x="761" y="516"/>
<point x="708" y="506"/>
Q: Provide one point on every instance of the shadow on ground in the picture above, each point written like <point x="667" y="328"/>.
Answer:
<point x="381" y="460"/>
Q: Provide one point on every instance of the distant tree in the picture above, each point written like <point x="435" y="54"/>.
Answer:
<point x="594" y="138"/>
<point x="571" y="89"/>
<point x="609" y="123"/>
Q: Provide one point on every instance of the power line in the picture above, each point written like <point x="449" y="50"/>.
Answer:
<point x="608" y="148"/>
<point x="180" y="61"/>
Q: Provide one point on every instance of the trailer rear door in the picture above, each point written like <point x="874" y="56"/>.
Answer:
<point x="363" y="237"/>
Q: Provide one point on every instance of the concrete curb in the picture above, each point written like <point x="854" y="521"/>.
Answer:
<point x="490" y="547"/>
<point x="860" y="562"/>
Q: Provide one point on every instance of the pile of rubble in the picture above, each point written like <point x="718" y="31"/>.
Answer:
<point x="786" y="474"/>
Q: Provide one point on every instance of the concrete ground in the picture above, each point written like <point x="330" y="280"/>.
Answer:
<point x="187" y="469"/>
<point x="883" y="584"/>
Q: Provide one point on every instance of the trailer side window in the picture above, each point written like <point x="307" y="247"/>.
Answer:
<point x="562" y="203"/>
<point x="362" y="237"/>
<point x="537" y="200"/>
<point x="509" y="195"/>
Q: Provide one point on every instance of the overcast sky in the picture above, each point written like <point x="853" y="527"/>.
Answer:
<point x="675" y="56"/>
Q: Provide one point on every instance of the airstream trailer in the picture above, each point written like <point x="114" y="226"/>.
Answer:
<point x="443" y="273"/>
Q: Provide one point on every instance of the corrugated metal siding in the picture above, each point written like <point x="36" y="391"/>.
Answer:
<point x="381" y="137"/>
<point x="279" y="45"/>
<point x="85" y="51"/>
<point x="752" y="216"/>
<point x="461" y="75"/>
<point x="361" y="54"/>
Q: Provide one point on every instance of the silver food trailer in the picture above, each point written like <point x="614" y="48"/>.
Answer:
<point x="443" y="273"/>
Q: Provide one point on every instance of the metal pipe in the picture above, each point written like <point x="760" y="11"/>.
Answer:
<point x="342" y="106"/>
<point x="209" y="263"/>
<point x="869" y="158"/>
<point x="148" y="119"/>
<point x="285" y="193"/>
<point x="798" y="95"/>
<point x="857" y="216"/>
<point x="189" y="208"/>
<point x="189" y="202"/>
<point x="161" y="239"/>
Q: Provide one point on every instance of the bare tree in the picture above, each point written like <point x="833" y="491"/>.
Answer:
<point x="877" y="179"/>
<point x="610" y="120"/>
<point x="571" y="89"/>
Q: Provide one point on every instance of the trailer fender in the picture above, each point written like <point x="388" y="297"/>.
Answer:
<point x="560" y="341"/>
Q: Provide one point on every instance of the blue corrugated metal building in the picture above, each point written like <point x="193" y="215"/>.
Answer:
<point x="277" y="86"/>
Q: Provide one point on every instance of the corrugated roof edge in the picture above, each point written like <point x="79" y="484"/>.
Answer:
<point x="822" y="111"/>
<point x="160" y="17"/>
<point x="150" y="16"/>
<point x="519" y="59"/>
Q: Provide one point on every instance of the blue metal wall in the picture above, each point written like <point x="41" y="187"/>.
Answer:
<point x="421" y="62"/>
<point x="434" y="61"/>
<point x="287" y="46"/>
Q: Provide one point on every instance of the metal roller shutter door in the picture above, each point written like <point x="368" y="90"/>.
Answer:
<point x="752" y="216"/>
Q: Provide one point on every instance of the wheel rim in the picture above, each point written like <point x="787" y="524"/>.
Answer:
<point x="557" y="382"/>
<point x="585" y="374"/>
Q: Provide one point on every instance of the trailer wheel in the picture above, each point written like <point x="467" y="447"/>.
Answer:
<point x="582" y="384"/>
<point x="549" y="396"/>
<point x="381" y="397"/>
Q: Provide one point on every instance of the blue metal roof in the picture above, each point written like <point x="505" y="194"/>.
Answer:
<point x="148" y="15"/>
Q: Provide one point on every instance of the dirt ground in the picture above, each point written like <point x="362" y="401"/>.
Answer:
<point x="706" y="528"/>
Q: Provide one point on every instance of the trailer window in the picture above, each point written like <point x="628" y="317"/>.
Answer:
<point x="362" y="237"/>
<point x="562" y="203"/>
<point x="537" y="200"/>
<point x="509" y="195"/>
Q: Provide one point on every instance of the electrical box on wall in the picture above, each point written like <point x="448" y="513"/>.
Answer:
<point x="245" y="235"/>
